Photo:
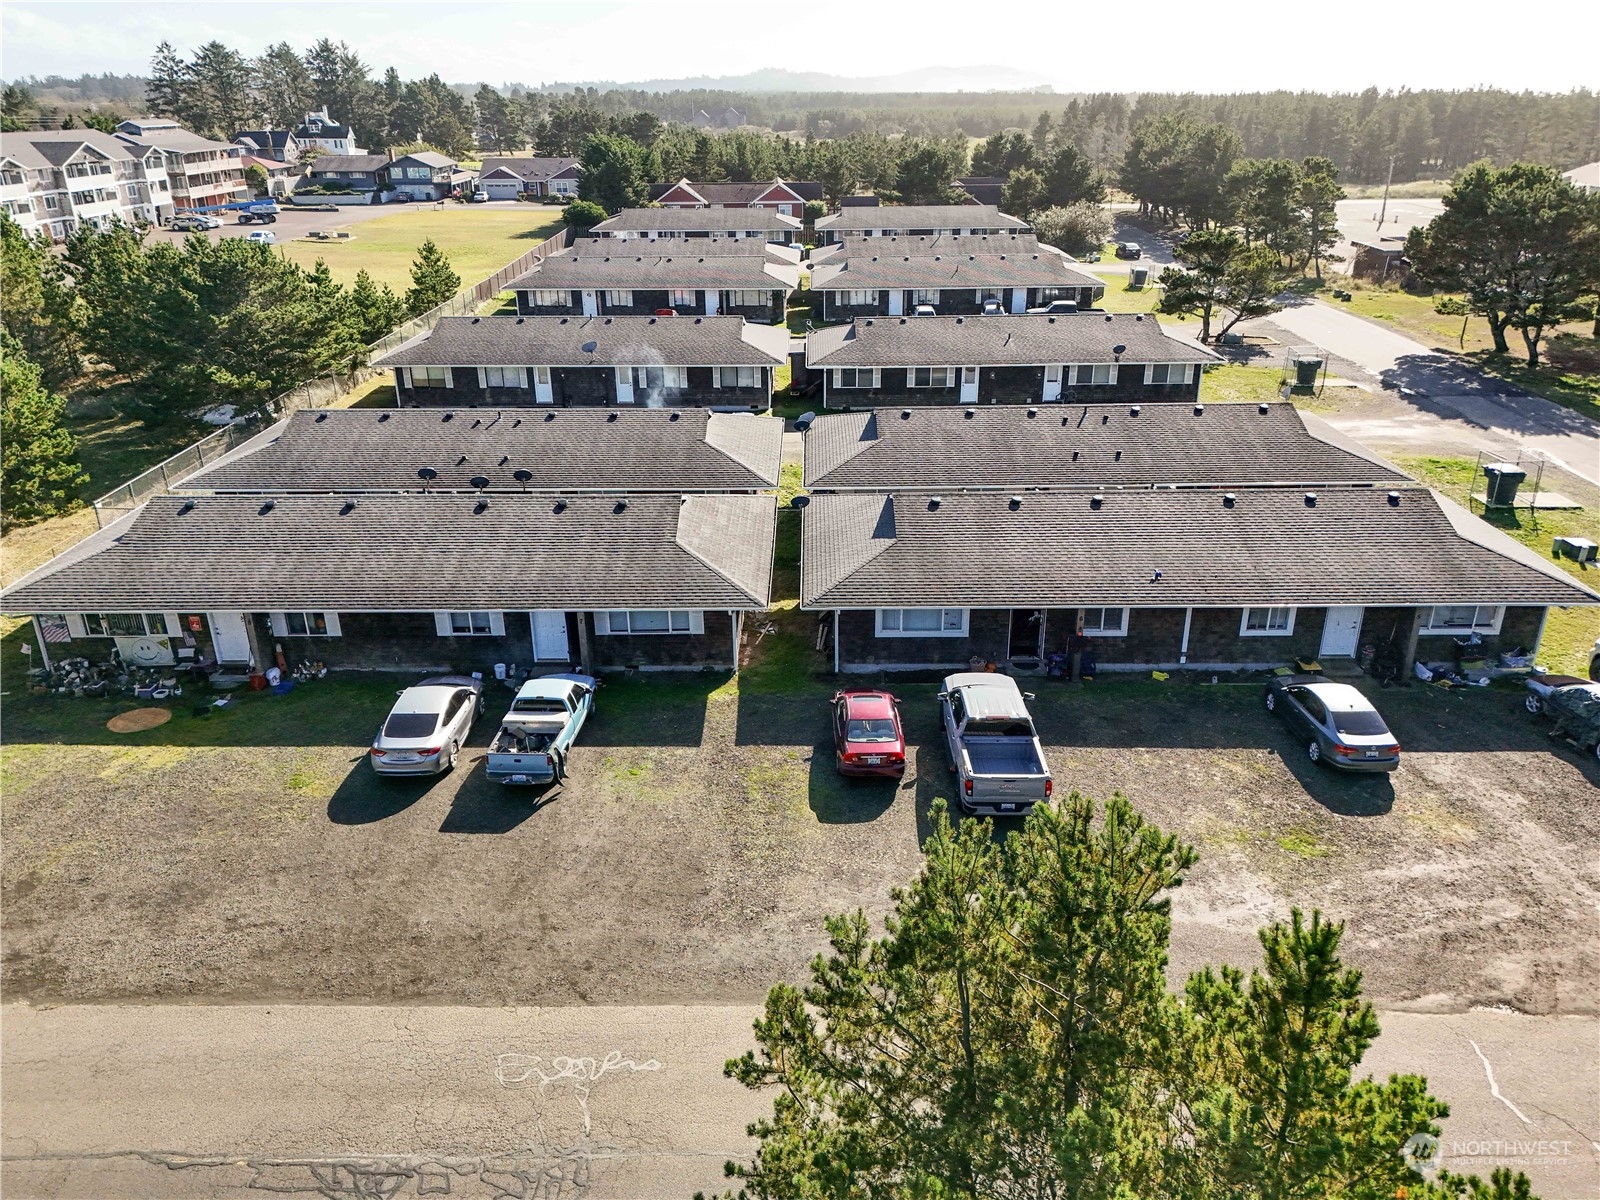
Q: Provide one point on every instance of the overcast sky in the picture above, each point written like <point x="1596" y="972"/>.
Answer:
<point x="1090" y="45"/>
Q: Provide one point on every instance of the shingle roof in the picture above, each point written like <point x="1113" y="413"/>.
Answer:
<point x="54" y="147"/>
<point x="365" y="163"/>
<point x="682" y="220"/>
<point x="644" y="450"/>
<point x="920" y="216"/>
<point x="1081" y="445"/>
<point x="274" y="139"/>
<point x="863" y="267"/>
<point x="1088" y="337"/>
<point x="527" y="168"/>
<point x="428" y="158"/>
<point x="180" y="141"/>
<point x="593" y="342"/>
<point x="935" y="243"/>
<point x="609" y="263"/>
<point x="739" y="193"/>
<point x="411" y="553"/>
<point x="1056" y="549"/>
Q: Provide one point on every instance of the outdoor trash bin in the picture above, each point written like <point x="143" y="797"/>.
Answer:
<point x="1138" y="277"/>
<point x="1306" y="371"/>
<point x="1503" y="481"/>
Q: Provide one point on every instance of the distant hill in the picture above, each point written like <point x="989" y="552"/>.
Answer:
<point x="775" y="79"/>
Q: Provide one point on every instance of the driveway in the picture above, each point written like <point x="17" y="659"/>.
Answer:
<point x="1359" y="219"/>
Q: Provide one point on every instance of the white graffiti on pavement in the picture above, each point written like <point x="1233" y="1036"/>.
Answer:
<point x="532" y="1071"/>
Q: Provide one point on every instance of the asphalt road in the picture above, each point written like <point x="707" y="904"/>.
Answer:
<point x="181" y="1101"/>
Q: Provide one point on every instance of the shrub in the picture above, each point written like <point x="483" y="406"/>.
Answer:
<point x="585" y="214"/>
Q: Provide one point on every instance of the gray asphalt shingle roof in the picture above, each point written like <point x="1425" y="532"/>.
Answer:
<point x="937" y="243"/>
<point x="609" y="263"/>
<point x="643" y="450"/>
<point x="527" y="168"/>
<point x="1087" y="337"/>
<point x="508" y="341"/>
<point x="920" y="216"/>
<point x="684" y="220"/>
<point x="416" y="553"/>
<point x="1057" y="550"/>
<point x="369" y="164"/>
<point x="1081" y="445"/>
<point x="864" y="267"/>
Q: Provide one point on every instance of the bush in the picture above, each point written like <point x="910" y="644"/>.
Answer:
<point x="1077" y="228"/>
<point x="585" y="214"/>
<point x="815" y="209"/>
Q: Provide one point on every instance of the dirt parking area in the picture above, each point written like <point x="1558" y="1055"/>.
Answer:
<point x="251" y="854"/>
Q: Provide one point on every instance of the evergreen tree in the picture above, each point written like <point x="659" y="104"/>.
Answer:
<point x="583" y="214"/>
<point x="1024" y="193"/>
<point x="39" y="309"/>
<point x="167" y="92"/>
<point x="1070" y="178"/>
<point x="221" y="100"/>
<point x="1320" y="194"/>
<point x="613" y="173"/>
<point x="927" y="174"/>
<point x="497" y="130"/>
<point x="1221" y="272"/>
<point x="1265" y="198"/>
<point x="378" y="310"/>
<point x="282" y="86"/>
<point x="40" y="475"/>
<point x="432" y="280"/>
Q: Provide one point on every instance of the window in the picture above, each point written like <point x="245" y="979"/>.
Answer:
<point x="655" y="378"/>
<point x="649" y="621"/>
<point x="619" y="298"/>
<point x="545" y="298"/>
<point x="470" y="624"/>
<point x="748" y="299"/>
<point x="924" y="295"/>
<point x="1267" y="622"/>
<point x="1052" y="374"/>
<point x="860" y="296"/>
<point x="430" y="377"/>
<point x="738" y="377"/>
<point x="1089" y="374"/>
<point x="304" y="624"/>
<point x="930" y="377"/>
<point x="124" y="624"/>
<point x="1307" y="699"/>
<point x="855" y="377"/>
<point x="1104" y="622"/>
<point x="921" y="622"/>
<point x="1462" y="618"/>
<point x="510" y="377"/>
<point x="680" y="298"/>
<point x="1167" y="373"/>
<point x="541" y="376"/>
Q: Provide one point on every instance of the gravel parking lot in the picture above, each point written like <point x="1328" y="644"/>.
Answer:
<point x="702" y="837"/>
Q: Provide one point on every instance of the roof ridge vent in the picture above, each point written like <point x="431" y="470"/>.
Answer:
<point x="620" y="506"/>
<point x="475" y="320"/>
<point x="934" y="502"/>
<point x="1134" y="411"/>
<point x="902" y="320"/>
<point x="1032" y="412"/>
<point x="267" y="507"/>
<point x="1229" y="499"/>
<point x="905" y="414"/>
<point x="520" y="320"/>
<point x="1311" y="499"/>
<point x="348" y="507"/>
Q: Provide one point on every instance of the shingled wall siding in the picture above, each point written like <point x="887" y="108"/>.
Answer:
<point x="581" y="387"/>
<point x="714" y="648"/>
<point x="952" y="301"/>
<point x="1008" y="385"/>
<point x="403" y="642"/>
<point x="989" y="631"/>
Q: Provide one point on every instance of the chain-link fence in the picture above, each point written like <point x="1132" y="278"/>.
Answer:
<point x="314" y="393"/>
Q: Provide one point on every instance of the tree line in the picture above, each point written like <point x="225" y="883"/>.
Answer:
<point x="169" y="332"/>
<point x="1012" y="1034"/>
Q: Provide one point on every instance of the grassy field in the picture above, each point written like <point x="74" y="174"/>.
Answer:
<point x="1120" y="298"/>
<point x="479" y="241"/>
<point x="1569" y="633"/>
<point x="1417" y="189"/>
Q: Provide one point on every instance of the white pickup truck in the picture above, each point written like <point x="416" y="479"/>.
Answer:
<point x="538" y="730"/>
<point x="993" y="747"/>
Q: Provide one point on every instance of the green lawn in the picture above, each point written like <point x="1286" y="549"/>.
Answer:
<point x="1569" y="633"/>
<point x="1120" y="298"/>
<point x="478" y="241"/>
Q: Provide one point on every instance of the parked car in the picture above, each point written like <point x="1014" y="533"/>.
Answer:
<point x="538" y="730"/>
<point x="867" y="737"/>
<point x="993" y="747"/>
<point x="190" y="222"/>
<point x="427" y="726"/>
<point x="1573" y="703"/>
<point x="480" y="197"/>
<point x="1339" y="724"/>
<point x="993" y="308"/>
<point x="1056" y="306"/>
<point x="1129" y="250"/>
<point x="265" y="236"/>
<point x="924" y="310"/>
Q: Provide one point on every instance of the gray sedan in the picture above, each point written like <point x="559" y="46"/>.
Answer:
<point x="427" y="726"/>
<point x="1339" y="725"/>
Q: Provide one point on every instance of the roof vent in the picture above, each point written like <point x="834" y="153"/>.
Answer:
<point x="1108" y="318"/>
<point x="1262" y="408"/>
<point x="1014" y="503"/>
<point x="1394" y="499"/>
<point x="698" y="320"/>
<point x="1096" y="500"/>
<point x="504" y="459"/>
<point x="1229" y="499"/>
<point x="427" y="474"/>
<point x="869" y="321"/>
<point x="1105" y="417"/>
<point x="559" y="506"/>
<point x="651" y="321"/>
<point x="1134" y="411"/>
<point x="321" y="417"/>
<point x="1155" y="576"/>
<point x="902" y="320"/>
<point x="968" y="414"/>
<point x="961" y="320"/>
<point x="564" y="320"/>
<point x="611" y="418"/>
<point x="1138" y="316"/>
<point x="1074" y="453"/>
<point x="934" y="502"/>
<point x="607" y="321"/>
<point x="462" y="460"/>
<point x="620" y="506"/>
<point x="447" y="418"/>
<point x="1119" y="456"/>
<point x="1032" y="412"/>
<point x="1198" y="409"/>
<point x="479" y="481"/>
<point x="548" y="417"/>
<point x="267" y="507"/>
<point x="1052" y="320"/>
<point x="349" y="507"/>
<point x="481" y="507"/>
<point x="520" y="320"/>
<point x="475" y="320"/>
<point x="1311" y="499"/>
<point x="673" y="416"/>
<point x="188" y="506"/>
<point x="382" y="417"/>
<point x="905" y="414"/>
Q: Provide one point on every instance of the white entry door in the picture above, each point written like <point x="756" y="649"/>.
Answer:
<point x="1019" y="300"/>
<point x="591" y="307"/>
<point x="897" y="302"/>
<point x="624" y="385"/>
<point x="550" y="637"/>
<point x="229" y="640"/>
<point x="1052" y="385"/>
<point x="969" y="385"/>
<point x="542" y="393"/>
<point x="713" y="297"/>
<point x="1341" y="630"/>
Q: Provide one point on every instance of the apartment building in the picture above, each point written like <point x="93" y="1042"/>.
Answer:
<point x="56" y="180"/>
<point x="202" y="173"/>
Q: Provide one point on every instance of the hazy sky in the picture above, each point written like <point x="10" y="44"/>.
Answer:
<point x="1103" y="45"/>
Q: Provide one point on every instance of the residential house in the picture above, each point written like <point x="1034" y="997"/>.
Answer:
<point x="321" y="132"/>
<point x="201" y="173"/>
<point x="479" y="450"/>
<point x="1060" y="358"/>
<point x="507" y="178"/>
<point x="422" y="582"/>
<point x="722" y="362"/>
<point x="424" y="175"/>
<point x="364" y="174"/>
<point x="873" y="278"/>
<point x="727" y="117"/>
<point x="280" y="145"/>
<point x="781" y="196"/>
<point x="984" y="189"/>
<point x="55" y="180"/>
<point x="890" y="220"/>
<point x="1378" y="257"/>
<point x="282" y="177"/>
<point x="1585" y="178"/>
<point x="603" y="276"/>
<point x="758" y="224"/>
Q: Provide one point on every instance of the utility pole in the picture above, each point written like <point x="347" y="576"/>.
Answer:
<point x="1382" y="212"/>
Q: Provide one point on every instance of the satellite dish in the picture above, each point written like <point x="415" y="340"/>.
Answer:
<point x="590" y="347"/>
<point x="427" y="474"/>
<point x="522" y="476"/>
<point x="479" y="481"/>
<point x="1119" y="349"/>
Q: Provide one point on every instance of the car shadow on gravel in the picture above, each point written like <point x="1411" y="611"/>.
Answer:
<point x="837" y="800"/>
<point x="480" y="806"/>
<point x="365" y="798"/>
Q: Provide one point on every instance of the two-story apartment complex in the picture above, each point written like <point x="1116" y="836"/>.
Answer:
<point x="756" y="224"/>
<point x="900" y="220"/>
<point x="55" y="180"/>
<point x="202" y="173"/>
<point x="881" y="277"/>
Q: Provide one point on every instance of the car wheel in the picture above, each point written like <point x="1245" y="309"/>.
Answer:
<point x="1532" y="703"/>
<point x="450" y="756"/>
<point x="1272" y="702"/>
<point x="1314" y="751"/>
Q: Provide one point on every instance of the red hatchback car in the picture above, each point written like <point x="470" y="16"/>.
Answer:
<point x="867" y="738"/>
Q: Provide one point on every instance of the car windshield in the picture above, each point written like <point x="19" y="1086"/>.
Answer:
<point x="1359" y="722"/>
<point x="410" y="725"/>
<point x="872" y="729"/>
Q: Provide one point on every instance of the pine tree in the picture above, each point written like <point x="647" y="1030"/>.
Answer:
<point x="1320" y="194"/>
<point x="40" y="475"/>
<point x="378" y="309"/>
<point x="613" y="172"/>
<point x="1024" y="193"/>
<point x="167" y="93"/>
<point x="432" y="280"/>
<point x="39" y="309"/>
<point x="282" y="86"/>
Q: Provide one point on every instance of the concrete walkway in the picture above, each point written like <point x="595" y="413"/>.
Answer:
<point x="189" y="1101"/>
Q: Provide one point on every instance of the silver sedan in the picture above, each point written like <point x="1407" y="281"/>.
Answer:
<point x="427" y="726"/>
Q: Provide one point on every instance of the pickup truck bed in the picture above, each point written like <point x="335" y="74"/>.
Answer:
<point x="1003" y="756"/>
